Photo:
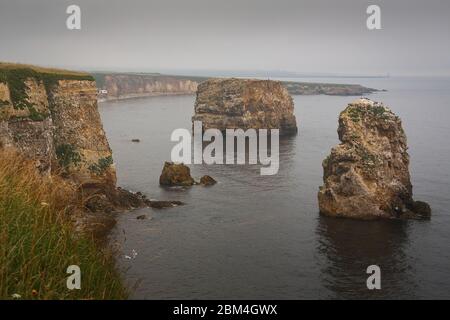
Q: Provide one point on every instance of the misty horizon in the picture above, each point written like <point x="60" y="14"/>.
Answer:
<point x="256" y="37"/>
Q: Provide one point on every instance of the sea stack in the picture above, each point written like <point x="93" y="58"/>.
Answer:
<point x="243" y="104"/>
<point x="367" y="175"/>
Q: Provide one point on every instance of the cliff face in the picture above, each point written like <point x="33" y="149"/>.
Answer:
<point x="52" y="117"/>
<point x="121" y="86"/>
<point x="241" y="103"/>
<point x="367" y="175"/>
<point x="116" y="86"/>
<point x="29" y="130"/>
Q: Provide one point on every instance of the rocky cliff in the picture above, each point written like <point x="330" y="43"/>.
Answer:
<point x="116" y="86"/>
<point x="52" y="117"/>
<point x="122" y="86"/>
<point x="367" y="175"/>
<point x="243" y="103"/>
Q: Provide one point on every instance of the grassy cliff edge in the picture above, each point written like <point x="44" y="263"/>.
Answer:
<point x="38" y="239"/>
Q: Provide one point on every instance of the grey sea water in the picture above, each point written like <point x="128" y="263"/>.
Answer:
<point x="261" y="237"/>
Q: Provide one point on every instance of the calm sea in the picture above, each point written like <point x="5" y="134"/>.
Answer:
<point x="261" y="237"/>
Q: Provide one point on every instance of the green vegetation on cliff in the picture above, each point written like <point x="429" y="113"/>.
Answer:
<point x="38" y="240"/>
<point x="15" y="76"/>
<point x="102" y="165"/>
<point x="67" y="155"/>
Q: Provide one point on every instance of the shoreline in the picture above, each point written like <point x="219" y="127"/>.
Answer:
<point x="169" y="94"/>
<point x="144" y="95"/>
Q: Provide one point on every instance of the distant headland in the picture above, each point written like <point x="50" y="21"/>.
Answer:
<point x="118" y="86"/>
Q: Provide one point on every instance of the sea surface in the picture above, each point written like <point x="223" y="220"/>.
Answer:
<point x="261" y="237"/>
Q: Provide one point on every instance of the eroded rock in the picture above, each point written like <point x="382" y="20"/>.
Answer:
<point x="100" y="198"/>
<point x="367" y="175"/>
<point x="243" y="103"/>
<point x="207" y="180"/>
<point x="176" y="175"/>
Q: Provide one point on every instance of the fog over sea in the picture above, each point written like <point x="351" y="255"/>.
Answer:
<point x="261" y="237"/>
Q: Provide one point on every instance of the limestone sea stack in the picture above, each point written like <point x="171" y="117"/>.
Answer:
<point x="243" y="104"/>
<point x="367" y="175"/>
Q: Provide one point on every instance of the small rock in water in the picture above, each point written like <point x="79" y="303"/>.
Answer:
<point x="207" y="180"/>
<point x="135" y="140"/>
<point x="176" y="175"/>
<point x="165" y="204"/>
<point x="141" y="217"/>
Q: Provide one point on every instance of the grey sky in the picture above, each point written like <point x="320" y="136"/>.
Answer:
<point x="291" y="35"/>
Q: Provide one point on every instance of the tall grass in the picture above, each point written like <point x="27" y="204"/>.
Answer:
<point x="13" y="66"/>
<point x="38" y="240"/>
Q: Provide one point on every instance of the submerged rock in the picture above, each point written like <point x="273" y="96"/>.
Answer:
<point x="207" y="180"/>
<point x="367" y="175"/>
<point x="176" y="175"/>
<point x="161" y="204"/>
<point x="243" y="103"/>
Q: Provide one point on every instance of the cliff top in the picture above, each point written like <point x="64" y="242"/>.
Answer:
<point x="14" y="85"/>
<point x="15" y="76"/>
<point x="7" y="66"/>
<point x="239" y="82"/>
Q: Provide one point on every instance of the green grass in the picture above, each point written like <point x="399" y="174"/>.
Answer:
<point x="38" y="241"/>
<point x="15" y="75"/>
<point x="356" y="113"/>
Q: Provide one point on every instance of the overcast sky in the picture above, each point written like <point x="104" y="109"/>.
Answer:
<point x="292" y="35"/>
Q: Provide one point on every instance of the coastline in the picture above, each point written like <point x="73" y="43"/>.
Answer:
<point x="143" y="95"/>
<point x="169" y="94"/>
